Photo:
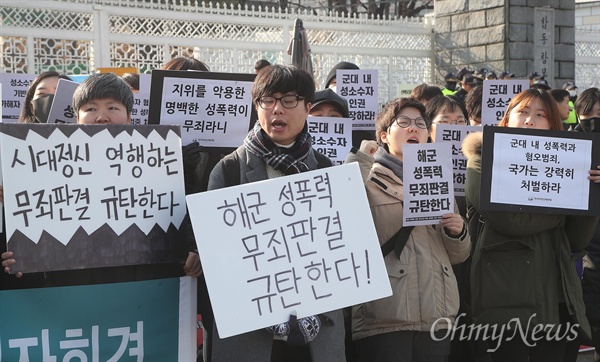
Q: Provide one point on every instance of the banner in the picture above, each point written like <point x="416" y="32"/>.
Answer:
<point x="152" y="320"/>
<point x="83" y="196"/>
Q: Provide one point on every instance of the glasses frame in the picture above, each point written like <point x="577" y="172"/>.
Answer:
<point x="298" y="98"/>
<point x="454" y="122"/>
<point x="411" y="120"/>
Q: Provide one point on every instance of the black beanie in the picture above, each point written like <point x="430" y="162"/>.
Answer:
<point x="340" y="65"/>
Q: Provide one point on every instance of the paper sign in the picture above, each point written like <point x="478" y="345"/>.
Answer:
<point x="145" y="81"/>
<point x="332" y="136"/>
<point x="360" y="88"/>
<point x="150" y="320"/>
<point x="496" y="97"/>
<point x="404" y="90"/>
<point x="141" y="103"/>
<point x="213" y="109"/>
<point x="455" y="135"/>
<point x="62" y="105"/>
<point x="533" y="169"/>
<point x="14" y="91"/>
<point x="428" y="187"/>
<point x="304" y="242"/>
<point x="93" y="195"/>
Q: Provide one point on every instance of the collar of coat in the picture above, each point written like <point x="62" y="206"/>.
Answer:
<point x="472" y="144"/>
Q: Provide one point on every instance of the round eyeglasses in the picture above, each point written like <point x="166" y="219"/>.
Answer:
<point x="405" y="122"/>
<point x="286" y="101"/>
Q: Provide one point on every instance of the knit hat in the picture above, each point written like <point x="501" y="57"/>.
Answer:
<point x="340" y="65"/>
<point x="329" y="96"/>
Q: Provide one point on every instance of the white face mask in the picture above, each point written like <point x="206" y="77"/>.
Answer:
<point x="573" y="93"/>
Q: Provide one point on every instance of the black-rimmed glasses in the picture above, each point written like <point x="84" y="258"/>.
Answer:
<point x="286" y="101"/>
<point x="405" y="122"/>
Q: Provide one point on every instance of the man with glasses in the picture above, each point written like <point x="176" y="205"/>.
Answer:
<point x="278" y="145"/>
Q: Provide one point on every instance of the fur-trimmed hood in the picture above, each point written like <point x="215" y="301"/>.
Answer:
<point x="472" y="144"/>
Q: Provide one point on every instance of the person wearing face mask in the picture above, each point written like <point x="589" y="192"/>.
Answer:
<point x="522" y="269"/>
<point x="406" y="326"/>
<point x="39" y="97"/>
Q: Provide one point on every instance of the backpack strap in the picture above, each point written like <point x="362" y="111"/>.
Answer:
<point x="397" y="242"/>
<point x="231" y="167"/>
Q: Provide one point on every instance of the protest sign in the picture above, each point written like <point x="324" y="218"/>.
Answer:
<point x="141" y="103"/>
<point x="539" y="171"/>
<point x="62" y="105"/>
<point x="456" y="134"/>
<point x="14" y="91"/>
<point x="304" y="242"/>
<point x="428" y="188"/>
<point x="496" y="97"/>
<point x="152" y="320"/>
<point x="360" y="89"/>
<point x="82" y="196"/>
<point x="332" y="136"/>
<point x="404" y="90"/>
<point x="213" y="109"/>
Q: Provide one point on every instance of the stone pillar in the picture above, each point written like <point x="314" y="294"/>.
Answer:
<point x="499" y="35"/>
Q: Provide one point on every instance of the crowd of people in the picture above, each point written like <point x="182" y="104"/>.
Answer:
<point x="488" y="268"/>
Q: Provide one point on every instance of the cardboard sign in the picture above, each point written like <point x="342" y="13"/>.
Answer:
<point x="497" y="94"/>
<point x="213" y="109"/>
<point x="62" y="105"/>
<point x="332" y="136"/>
<point x="14" y="90"/>
<point x="360" y="88"/>
<point x="304" y="242"/>
<point x="539" y="171"/>
<point x="428" y="186"/>
<point x="455" y="135"/>
<point x="151" y="320"/>
<point x="82" y="196"/>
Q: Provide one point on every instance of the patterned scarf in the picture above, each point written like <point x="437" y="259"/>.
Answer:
<point x="384" y="158"/>
<point x="287" y="160"/>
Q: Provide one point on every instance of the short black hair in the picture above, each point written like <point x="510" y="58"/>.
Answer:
<point x="283" y="79"/>
<point x="473" y="102"/>
<point x="559" y="94"/>
<point x="260" y="64"/>
<point x="386" y="117"/>
<point x="442" y="104"/>
<point x="425" y="92"/>
<point x="103" y="86"/>
<point x="132" y="79"/>
<point x="185" y="63"/>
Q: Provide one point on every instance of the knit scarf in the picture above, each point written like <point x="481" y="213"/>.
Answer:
<point x="287" y="160"/>
<point x="384" y="158"/>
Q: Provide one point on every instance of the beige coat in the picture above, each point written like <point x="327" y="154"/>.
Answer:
<point x="422" y="280"/>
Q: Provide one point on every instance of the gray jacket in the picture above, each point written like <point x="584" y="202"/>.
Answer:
<point x="256" y="345"/>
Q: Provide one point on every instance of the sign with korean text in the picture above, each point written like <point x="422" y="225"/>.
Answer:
<point x="83" y="196"/>
<point x="428" y="186"/>
<point x="455" y="135"/>
<point x="539" y="171"/>
<point x="303" y="242"/>
<point x="14" y="91"/>
<point x="62" y="105"/>
<point x="141" y="103"/>
<point x="543" y="43"/>
<point x="213" y="109"/>
<point x="404" y="90"/>
<point x="332" y="136"/>
<point x="360" y="89"/>
<point x="497" y="94"/>
<point x="152" y="320"/>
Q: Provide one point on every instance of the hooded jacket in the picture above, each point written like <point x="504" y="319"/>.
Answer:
<point x="425" y="291"/>
<point x="522" y="266"/>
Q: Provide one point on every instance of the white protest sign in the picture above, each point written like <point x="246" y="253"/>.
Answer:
<point x="69" y="181"/>
<point x="332" y="136"/>
<point x="455" y="135"/>
<point x="145" y="81"/>
<point x="496" y="97"/>
<point x="139" y="113"/>
<point x="428" y="187"/>
<point x="404" y="90"/>
<point x="212" y="112"/>
<point x="303" y="242"/>
<point x="62" y="105"/>
<point x="14" y="90"/>
<point x="360" y="89"/>
<point x="541" y="171"/>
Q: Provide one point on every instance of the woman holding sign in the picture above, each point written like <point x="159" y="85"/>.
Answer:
<point x="414" y="324"/>
<point x="523" y="280"/>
